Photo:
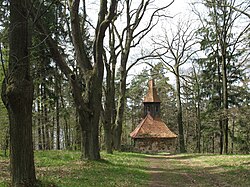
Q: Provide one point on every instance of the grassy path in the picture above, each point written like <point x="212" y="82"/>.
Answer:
<point x="199" y="170"/>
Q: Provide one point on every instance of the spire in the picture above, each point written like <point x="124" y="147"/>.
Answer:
<point x="152" y="96"/>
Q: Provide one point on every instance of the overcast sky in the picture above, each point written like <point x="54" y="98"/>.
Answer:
<point x="178" y="9"/>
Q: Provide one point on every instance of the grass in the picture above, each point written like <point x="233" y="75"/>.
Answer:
<point x="203" y="170"/>
<point x="64" y="168"/>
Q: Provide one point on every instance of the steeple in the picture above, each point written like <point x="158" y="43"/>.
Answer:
<point x="152" y="101"/>
<point x="152" y="95"/>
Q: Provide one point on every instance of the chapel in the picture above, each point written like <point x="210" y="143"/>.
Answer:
<point x="152" y="135"/>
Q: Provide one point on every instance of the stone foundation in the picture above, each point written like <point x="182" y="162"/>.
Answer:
<point x="155" y="145"/>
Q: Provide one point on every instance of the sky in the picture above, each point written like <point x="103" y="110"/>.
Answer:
<point x="178" y="9"/>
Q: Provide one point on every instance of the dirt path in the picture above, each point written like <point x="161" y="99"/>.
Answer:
<point x="177" y="171"/>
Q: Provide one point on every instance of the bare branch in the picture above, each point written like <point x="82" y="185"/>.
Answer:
<point x="82" y="58"/>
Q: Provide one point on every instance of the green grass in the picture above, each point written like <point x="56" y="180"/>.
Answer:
<point x="234" y="170"/>
<point x="205" y="170"/>
<point x="64" y="168"/>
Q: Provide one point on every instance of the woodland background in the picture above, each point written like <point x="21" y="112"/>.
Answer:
<point x="207" y="103"/>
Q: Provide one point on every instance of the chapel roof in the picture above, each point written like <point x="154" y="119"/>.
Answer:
<point x="152" y="128"/>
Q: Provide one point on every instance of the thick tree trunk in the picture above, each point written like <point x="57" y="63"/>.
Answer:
<point x="88" y="120"/>
<point x="95" y="100"/>
<point x="19" y="98"/>
<point x="108" y="139"/>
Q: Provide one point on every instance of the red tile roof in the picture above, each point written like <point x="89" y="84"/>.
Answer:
<point x="152" y="95"/>
<point x="152" y="128"/>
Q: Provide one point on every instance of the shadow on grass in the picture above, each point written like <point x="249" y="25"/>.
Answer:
<point x="119" y="169"/>
<point x="175" y="170"/>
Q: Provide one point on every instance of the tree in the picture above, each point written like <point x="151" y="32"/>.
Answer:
<point x="223" y="41"/>
<point x="17" y="95"/>
<point x="192" y="94"/>
<point x="87" y="93"/>
<point x="176" y="49"/>
<point x="108" y="119"/>
<point x="129" y="37"/>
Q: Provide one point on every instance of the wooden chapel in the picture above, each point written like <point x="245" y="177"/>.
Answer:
<point x="152" y="135"/>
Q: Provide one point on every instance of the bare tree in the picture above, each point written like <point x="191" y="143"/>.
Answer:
<point x="129" y="37"/>
<point x="175" y="49"/>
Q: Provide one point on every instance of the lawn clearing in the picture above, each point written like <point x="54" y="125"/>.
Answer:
<point x="64" y="168"/>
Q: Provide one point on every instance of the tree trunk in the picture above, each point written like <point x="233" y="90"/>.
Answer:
<point x="220" y="102"/>
<point x="88" y="103"/>
<point x="52" y="133"/>
<point x="107" y="123"/>
<point x="39" y="124"/>
<point x="109" y="117"/>
<point x="233" y="129"/>
<point x="179" y="112"/>
<point x="43" y="120"/>
<point x="78" y="137"/>
<point x="57" y="93"/>
<point x="221" y="137"/>
<point x="225" y="104"/>
<point x="46" y="123"/>
<point x="120" y="111"/>
<point x="213" y="142"/>
<point x="19" y="98"/>
<point x="198" y="127"/>
<point x="58" y="147"/>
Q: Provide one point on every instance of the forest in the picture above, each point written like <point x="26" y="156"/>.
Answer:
<point x="74" y="73"/>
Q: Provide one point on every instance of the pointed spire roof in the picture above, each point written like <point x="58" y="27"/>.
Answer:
<point x="152" y="96"/>
<point x="152" y="128"/>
